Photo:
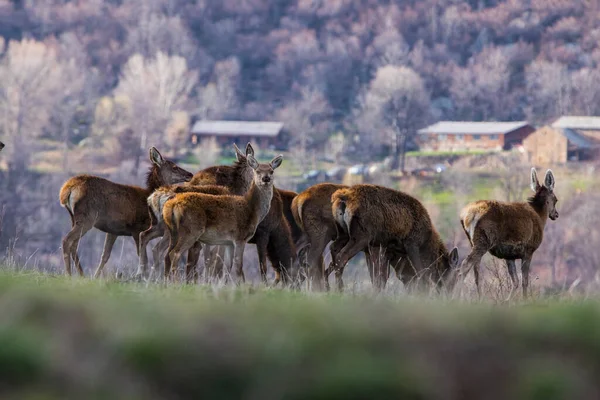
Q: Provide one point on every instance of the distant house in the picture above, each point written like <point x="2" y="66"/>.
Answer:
<point x="566" y="139"/>
<point x="464" y="135"/>
<point x="261" y="133"/>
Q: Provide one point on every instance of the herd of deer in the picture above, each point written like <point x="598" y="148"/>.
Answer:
<point x="227" y="206"/>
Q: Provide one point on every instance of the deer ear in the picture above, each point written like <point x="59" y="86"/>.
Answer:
<point x="535" y="184"/>
<point x="453" y="258"/>
<point x="252" y="162"/>
<point x="238" y="154"/>
<point x="549" y="180"/>
<point x="276" y="162"/>
<point x="249" y="149"/>
<point x="155" y="157"/>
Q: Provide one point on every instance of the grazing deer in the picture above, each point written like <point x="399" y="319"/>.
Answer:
<point x="220" y="220"/>
<point x="235" y="179"/>
<point x="509" y="231"/>
<point x="399" y="223"/>
<point x="311" y="210"/>
<point x="117" y="209"/>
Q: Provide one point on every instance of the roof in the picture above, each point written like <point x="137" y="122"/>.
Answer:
<point x="574" y="122"/>
<point x="579" y="140"/>
<point x="468" y="127"/>
<point x="237" y="128"/>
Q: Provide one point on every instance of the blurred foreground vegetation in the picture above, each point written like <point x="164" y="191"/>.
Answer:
<point x="75" y="338"/>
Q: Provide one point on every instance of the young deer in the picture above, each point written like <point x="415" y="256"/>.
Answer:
<point x="509" y="231"/>
<point x="220" y="220"/>
<point x="117" y="209"/>
<point x="373" y="215"/>
<point x="311" y="210"/>
<point x="234" y="179"/>
<point x="156" y="203"/>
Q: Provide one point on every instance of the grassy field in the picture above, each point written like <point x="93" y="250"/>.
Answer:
<point x="75" y="338"/>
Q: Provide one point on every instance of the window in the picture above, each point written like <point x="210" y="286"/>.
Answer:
<point x="441" y="137"/>
<point x="476" y="137"/>
<point x="493" y="137"/>
<point x="459" y="137"/>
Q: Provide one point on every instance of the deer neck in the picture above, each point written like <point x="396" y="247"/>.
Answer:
<point x="259" y="200"/>
<point x="540" y="206"/>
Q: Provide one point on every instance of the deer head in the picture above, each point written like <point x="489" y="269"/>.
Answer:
<point x="167" y="171"/>
<point x="449" y="269"/>
<point x="544" y="194"/>
<point x="263" y="173"/>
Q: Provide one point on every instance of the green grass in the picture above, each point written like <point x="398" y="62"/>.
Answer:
<point x="64" y="338"/>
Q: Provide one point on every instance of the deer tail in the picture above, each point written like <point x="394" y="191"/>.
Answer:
<point x="297" y="205"/>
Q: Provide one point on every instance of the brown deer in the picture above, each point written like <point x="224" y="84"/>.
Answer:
<point x="117" y="209"/>
<point x="220" y="220"/>
<point x="156" y="203"/>
<point x="509" y="231"/>
<point x="235" y="179"/>
<point x="311" y="210"/>
<point x="374" y="215"/>
<point x="274" y="240"/>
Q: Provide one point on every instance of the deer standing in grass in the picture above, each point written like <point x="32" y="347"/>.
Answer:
<point x="117" y="209"/>
<point x="222" y="179"/>
<point x="220" y="220"/>
<point x="509" y="231"/>
<point x="311" y="210"/>
<point x="371" y="215"/>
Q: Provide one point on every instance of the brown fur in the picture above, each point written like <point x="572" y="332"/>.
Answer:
<point x="273" y="239"/>
<point x="219" y="220"/>
<point x="236" y="179"/>
<point x="117" y="209"/>
<point x="509" y="231"/>
<point x="311" y="210"/>
<point x="371" y="215"/>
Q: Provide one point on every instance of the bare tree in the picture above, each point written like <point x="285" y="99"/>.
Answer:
<point x="397" y="104"/>
<point x="480" y="89"/>
<point x="155" y="89"/>
<point x="31" y="83"/>
<point x="304" y="119"/>
<point x="548" y="88"/>
<point x="219" y="97"/>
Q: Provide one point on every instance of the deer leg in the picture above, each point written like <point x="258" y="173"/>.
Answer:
<point x="512" y="271"/>
<point x="262" y="241"/>
<point x="525" y="263"/>
<point x="336" y="246"/>
<point x="238" y="260"/>
<point x="315" y="260"/>
<point x="351" y="248"/>
<point x="191" y="272"/>
<point x="183" y="244"/>
<point x="109" y="242"/>
<point x="146" y="236"/>
<point x="208" y="267"/>
<point x="160" y="251"/>
<point x="219" y="260"/>
<point x="228" y="251"/>
<point x="70" y="244"/>
<point x="472" y="262"/>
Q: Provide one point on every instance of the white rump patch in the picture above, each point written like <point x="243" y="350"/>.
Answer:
<point x="471" y="223"/>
